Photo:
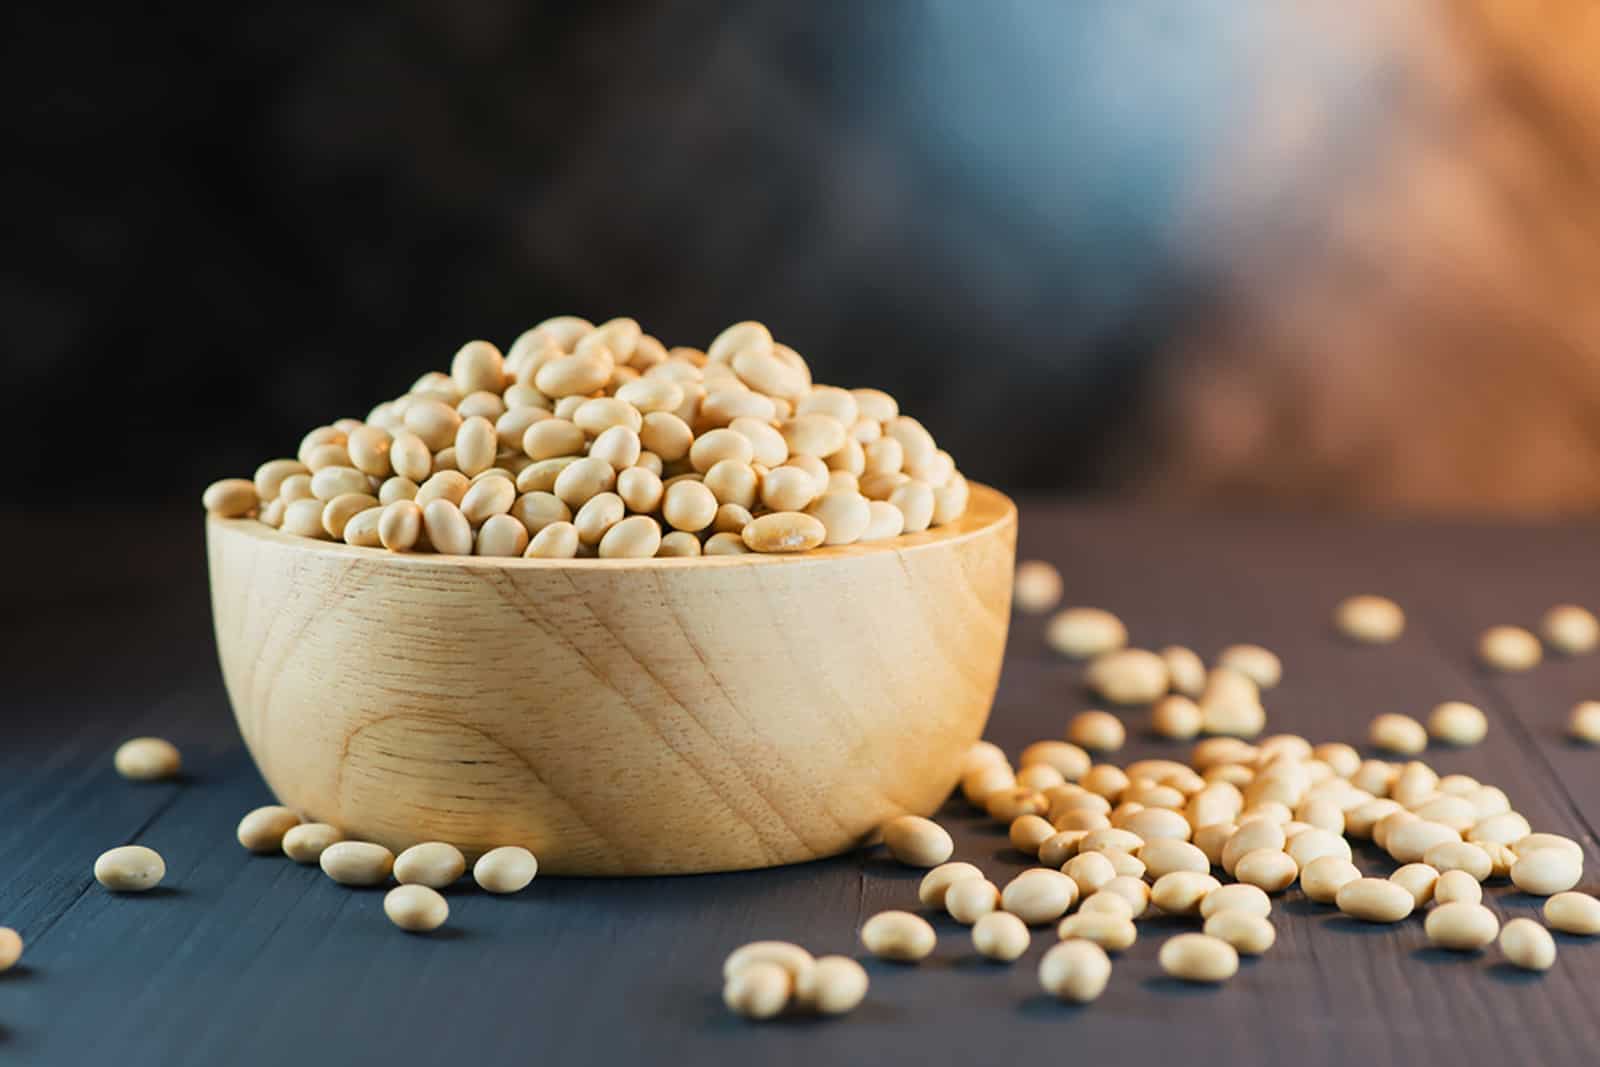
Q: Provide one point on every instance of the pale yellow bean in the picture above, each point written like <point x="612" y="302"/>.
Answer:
<point x="1176" y="717"/>
<point x="261" y="831"/>
<point x="1258" y="664"/>
<point x="1583" y="724"/>
<point x="917" y="842"/>
<point x="1461" y="926"/>
<point x="1546" y="871"/>
<point x="1239" y="896"/>
<point x="1075" y="970"/>
<point x="1398" y="733"/>
<point x="844" y="513"/>
<point x="130" y="869"/>
<point x="1109" y="901"/>
<point x="416" y="908"/>
<point x="1128" y="676"/>
<point x="1509" y="648"/>
<point x="1182" y="892"/>
<point x="1410" y="841"/>
<point x="1163" y="856"/>
<point x="435" y="864"/>
<point x="1528" y="945"/>
<point x="502" y="536"/>
<point x="1199" y="958"/>
<point x="1573" y="913"/>
<point x="147" y="759"/>
<point x="1456" y="723"/>
<point x="1111" y="930"/>
<point x="305" y="842"/>
<point x="1039" y="895"/>
<point x="11" y="948"/>
<point x="725" y="544"/>
<point x="758" y="991"/>
<point x="338" y="512"/>
<point x="1267" y="869"/>
<point x="1250" y="935"/>
<point x="1322" y="878"/>
<point x="1373" y="620"/>
<point x="1028" y="832"/>
<point x="356" y="863"/>
<point x="1457" y="887"/>
<point x="915" y="501"/>
<point x="576" y="375"/>
<point x="835" y="985"/>
<point x="443" y="485"/>
<point x="966" y="899"/>
<point x="937" y="882"/>
<point x="1036" y="587"/>
<point x="1314" y="843"/>
<point x="478" y="365"/>
<point x="475" y="443"/>
<point x="594" y="417"/>
<point x="434" y="421"/>
<point x="400" y="526"/>
<point x="271" y="475"/>
<point x="507" y="869"/>
<point x="784" y="531"/>
<point x="1570" y="629"/>
<point x="1418" y="879"/>
<point x="397" y="488"/>
<point x="1376" y="900"/>
<point x="899" y="935"/>
<point x="1460" y="856"/>
<point x="230" y="498"/>
<point x="1000" y="936"/>
<point x="1096" y="731"/>
<point x="679" y="544"/>
<point x="448" y="530"/>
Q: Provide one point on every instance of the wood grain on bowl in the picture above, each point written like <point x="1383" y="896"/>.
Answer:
<point x="615" y="716"/>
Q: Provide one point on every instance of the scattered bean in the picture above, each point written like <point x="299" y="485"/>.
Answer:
<point x="507" y="869"/>
<point x="1509" y="648"/>
<point x="1250" y="935"/>
<point x="262" y="830"/>
<point x="1373" y="620"/>
<point x="356" y="863"/>
<point x="1199" y="958"/>
<point x="416" y="908"/>
<point x="1081" y="633"/>
<point x="1000" y="936"/>
<point x="147" y="759"/>
<point x="1375" y="900"/>
<point x="1461" y="926"/>
<point x="900" y="935"/>
<point x="130" y="869"/>
<point x="1571" y="630"/>
<point x="1573" y="913"/>
<point x="1037" y="586"/>
<point x="305" y="842"/>
<point x="434" y="864"/>
<point x="1075" y="970"/>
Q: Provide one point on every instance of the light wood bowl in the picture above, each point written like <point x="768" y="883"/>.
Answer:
<point x="615" y="716"/>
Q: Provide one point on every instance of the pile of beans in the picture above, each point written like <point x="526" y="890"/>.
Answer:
<point x="1218" y="837"/>
<point x="585" y="440"/>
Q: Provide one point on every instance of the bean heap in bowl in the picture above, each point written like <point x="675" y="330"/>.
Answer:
<point x="587" y="440"/>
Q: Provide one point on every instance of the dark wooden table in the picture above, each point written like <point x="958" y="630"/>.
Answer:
<point x="245" y="960"/>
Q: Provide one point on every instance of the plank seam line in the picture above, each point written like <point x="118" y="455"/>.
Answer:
<point x="133" y="838"/>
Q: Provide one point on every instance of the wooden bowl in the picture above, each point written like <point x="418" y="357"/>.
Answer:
<point x="615" y="716"/>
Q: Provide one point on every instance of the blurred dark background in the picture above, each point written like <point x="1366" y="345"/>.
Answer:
<point x="1213" y="252"/>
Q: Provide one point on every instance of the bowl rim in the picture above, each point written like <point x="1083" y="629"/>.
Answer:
<point x="987" y="510"/>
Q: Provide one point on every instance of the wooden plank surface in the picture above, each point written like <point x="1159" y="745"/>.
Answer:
<point x="244" y="960"/>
